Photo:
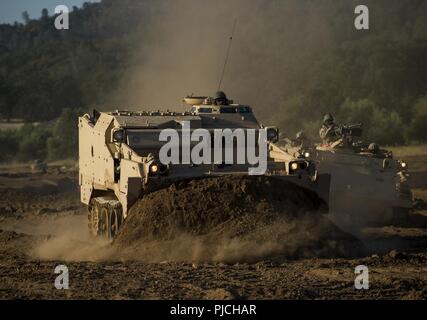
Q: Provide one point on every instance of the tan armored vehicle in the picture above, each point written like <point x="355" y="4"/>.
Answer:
<point x="368" y="186"/>
<point x="119" y="157"/>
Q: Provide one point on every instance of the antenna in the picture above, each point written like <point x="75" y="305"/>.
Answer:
<point x="227" y="55"/>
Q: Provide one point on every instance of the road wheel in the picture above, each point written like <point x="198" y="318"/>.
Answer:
<point x="94" y="217"/>
<point x="116" y="220"/>
<point x="105" y="218"/>
<point x="104" y="225"/>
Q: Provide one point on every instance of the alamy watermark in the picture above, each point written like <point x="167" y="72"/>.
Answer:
<point x="196" y="147"/>
<point x="362" y="280"/>
<point x="62" y="21"/>
<point x="62" y="280"/>
<point x="362" y="20"/>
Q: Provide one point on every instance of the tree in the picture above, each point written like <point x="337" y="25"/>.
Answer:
<point x="45" y="14"/>
<point x="26" y="17"/>
<point x="379" y="125"/>
<point x="9" y="94"/>
<point x="417" y="130"/>
<point x="32" y="142"/>
<point x="63" y="143"/>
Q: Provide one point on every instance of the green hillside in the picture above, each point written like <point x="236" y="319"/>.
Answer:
<point x="293" y="60"/>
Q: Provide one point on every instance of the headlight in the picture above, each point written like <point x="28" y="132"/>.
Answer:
<point x="154" y="168"/>
<point x="294" y="166"/>
<point x="403" y="164"/>
<point x="118" y="135"/>
<point x="306" y="154"/>
<point x="159" y="169"/>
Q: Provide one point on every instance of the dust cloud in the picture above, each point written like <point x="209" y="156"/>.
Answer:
<point x="182" y="51"/>
<point x="224" y="219"/>
<point x="279" y="241"/>
<point x="67" y="238"/>
<point x="303" y="238"/>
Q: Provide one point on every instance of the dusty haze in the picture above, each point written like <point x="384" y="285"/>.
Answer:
<point x="185" y="48"/>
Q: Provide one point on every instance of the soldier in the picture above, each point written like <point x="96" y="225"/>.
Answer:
<point x="374" y="148"/>
<point x="221" y="98"/>
<point x="329" y="132"/>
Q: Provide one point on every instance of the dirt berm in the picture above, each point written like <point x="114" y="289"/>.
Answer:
<point x="233" y="219"/>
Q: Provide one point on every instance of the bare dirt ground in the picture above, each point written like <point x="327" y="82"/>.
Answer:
<point x="43" y="225"/>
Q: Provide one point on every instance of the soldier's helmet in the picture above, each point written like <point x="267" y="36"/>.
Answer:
<point x="300" y="135"/>
<point x="221" y="98"/>
<point x="220" y="95"/>
<point x="328" y="118"/>
<point x="373" y="147"/>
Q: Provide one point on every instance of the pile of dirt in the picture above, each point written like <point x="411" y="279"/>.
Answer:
<point x="233" y="218"/>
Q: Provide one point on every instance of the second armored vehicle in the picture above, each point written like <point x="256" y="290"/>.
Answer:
<point x="368" y="186"/>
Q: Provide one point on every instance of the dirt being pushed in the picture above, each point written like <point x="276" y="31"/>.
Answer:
<point x="232" y="219"/>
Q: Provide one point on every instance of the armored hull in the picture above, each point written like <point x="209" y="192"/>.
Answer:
<point x="365" y="189"/>
<point x="120" y="162"/>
